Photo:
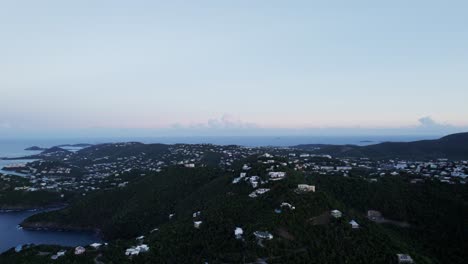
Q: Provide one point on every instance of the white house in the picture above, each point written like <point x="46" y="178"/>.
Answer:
<point x="404" y="258"/>
<point x="79" y="250"/>
<point x="258" y="192"/>
<point x="196" y="214"/>
<point x="95" y="245"/>
<point x="238" y="232"/>
<point x="305" y="188"/>
<point x="136" y="250"/>
<point x="277" y="175"/>
<point x="263" y="235"/>
<point x="197" y="224"/>
<point x="354" y="224"/>
<point x="335" y="213"/>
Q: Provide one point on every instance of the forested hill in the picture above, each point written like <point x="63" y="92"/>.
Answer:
<point x="306" y="234"/>
<point x="453" y="146"/>
<point x="119" y="150"/>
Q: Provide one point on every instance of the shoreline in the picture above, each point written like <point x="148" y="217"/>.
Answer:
<point x="51" y="226"/>
<point x="50" y="207"/>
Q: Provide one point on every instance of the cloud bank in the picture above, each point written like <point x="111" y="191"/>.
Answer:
<point x="225" y="122"/>
<point x="228" y="125"/>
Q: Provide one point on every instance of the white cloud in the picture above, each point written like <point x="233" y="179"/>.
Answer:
<point x="427" y="121"/>
<point x="224" y="122"/>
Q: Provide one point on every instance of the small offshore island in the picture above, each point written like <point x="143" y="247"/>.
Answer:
<point x="195" y="203"/>
<point x="35" y="148"/>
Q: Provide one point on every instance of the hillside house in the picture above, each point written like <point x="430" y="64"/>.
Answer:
<point x="238" y="232"/>
<point x="263" y="235"/>
<point x="305" y="188"/>
<point x="354" y="224"/>
<point x="197" y="224"/>
<point x="79" y="250"/>
<point x="374" y="215"/>
<point x="404" y="258"/>
<point x="335" y="213"/>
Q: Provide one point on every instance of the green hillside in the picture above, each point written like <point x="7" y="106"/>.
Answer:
<point x="453" y="147"/>
<point x="305" y="235"/>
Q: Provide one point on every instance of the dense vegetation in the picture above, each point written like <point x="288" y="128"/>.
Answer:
<point x="437" y="215"/>
<point x="436" y="212"/>
<point x="11" y="199"/>
<point x="123" y="150"/>
<point x="453" y="147"/>
<point x="125" y="212"/>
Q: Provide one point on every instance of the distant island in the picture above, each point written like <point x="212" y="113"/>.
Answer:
<point x="79" y="145"/>
<point x="35" y="148"/>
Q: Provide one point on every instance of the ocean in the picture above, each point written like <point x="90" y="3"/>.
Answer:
<point x="15" y="147"/>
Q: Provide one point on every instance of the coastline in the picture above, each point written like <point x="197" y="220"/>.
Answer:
<point x="20" y="208"/>
<point x="52" y="226"/>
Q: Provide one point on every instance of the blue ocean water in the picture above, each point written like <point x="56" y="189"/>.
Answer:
<point x="15" y="147"/>
<point x="11" y="236"/>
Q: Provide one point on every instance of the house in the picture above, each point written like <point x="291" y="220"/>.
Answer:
<point x="237" y="180"/>
<point x="143" y="248"/>
<point x="374" y="215"/>
<point x="354" y="224"/>
<point x="197" y="224"/>
<point x="263" y="235"/>
<point x="254" y="181"/>
<point x="18" y="248"/>
<point x="96" y="245"/>
<point x="404" y="258"/>
<point x="238" y="232"/>
<point x="335" y="213"/>
<point x="305" y="188"/>
<point x="196" y="214"/>
<point x="401" y="166"/>
<point x="79" y="250"/>
<point x="258" y="192"/>
<point x="277" y="175"/>
<point x="59" y="254"/>
<point x="288" y="205"/>
<point x="344" y="168"/>
<point x="136" y="250"/>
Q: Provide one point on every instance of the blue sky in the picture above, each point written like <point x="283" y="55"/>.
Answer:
<point x="233" y="67"/>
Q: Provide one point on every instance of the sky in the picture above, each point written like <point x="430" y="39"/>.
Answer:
<point x="245" y="67"/>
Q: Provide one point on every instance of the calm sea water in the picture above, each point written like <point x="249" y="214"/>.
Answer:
<point x="15" y="148"/>
<point x="10" y="236"/>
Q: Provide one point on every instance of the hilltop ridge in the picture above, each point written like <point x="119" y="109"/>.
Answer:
<point x="453" y="146"/>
